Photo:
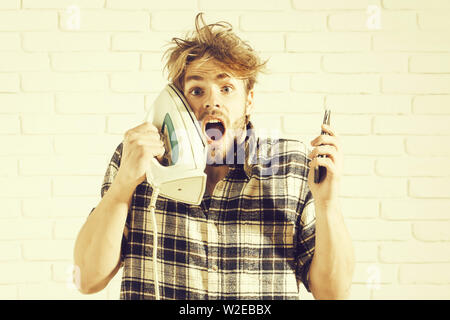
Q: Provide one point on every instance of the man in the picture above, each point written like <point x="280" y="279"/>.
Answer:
<point x="263" y="226"/>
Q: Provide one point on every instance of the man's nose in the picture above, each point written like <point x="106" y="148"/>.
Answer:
<point x="212" y="100"/>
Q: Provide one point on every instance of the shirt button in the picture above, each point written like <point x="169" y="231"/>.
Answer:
<point x="214" y="268"/>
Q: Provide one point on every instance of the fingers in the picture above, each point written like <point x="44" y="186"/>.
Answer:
<point x="325" y="139"/>
<point x="326" y="150"/>
<point x="324" y="162"/>
<point x="328" y="129"/>
<point x="145" y="127"/>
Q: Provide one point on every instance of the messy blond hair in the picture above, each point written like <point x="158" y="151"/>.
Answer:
<point x="216" y="41"/>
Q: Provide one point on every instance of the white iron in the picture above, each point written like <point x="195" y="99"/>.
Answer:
<point x="183" y="179"/>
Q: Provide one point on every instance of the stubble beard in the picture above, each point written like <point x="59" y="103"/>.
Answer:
<point x="225" y="153"/>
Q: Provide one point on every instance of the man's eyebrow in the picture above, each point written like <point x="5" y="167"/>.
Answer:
<point x="220" y="76"/>
<point x="194" y="77"/>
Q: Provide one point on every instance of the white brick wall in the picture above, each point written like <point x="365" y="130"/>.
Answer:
<point x="67" y="95"/>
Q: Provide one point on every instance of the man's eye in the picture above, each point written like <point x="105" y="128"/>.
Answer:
<point x="196" y="91"/>
<point x="227" y="89"/>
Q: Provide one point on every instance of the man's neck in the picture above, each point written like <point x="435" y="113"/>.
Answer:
<point x="214" y="174"/>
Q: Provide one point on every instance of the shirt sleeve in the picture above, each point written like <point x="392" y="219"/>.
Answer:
<point x="110" y="174"/>
<point x="306" y="232"/>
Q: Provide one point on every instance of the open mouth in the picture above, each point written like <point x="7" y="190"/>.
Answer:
<point x="214" y="130"/>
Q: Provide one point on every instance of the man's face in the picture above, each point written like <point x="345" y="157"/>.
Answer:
<point x="220" y="103"/>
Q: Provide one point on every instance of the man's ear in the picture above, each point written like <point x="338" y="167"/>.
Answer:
<point x="249" y="103"/>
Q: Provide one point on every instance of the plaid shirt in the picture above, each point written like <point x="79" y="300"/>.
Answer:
<point x="253" y="238"/>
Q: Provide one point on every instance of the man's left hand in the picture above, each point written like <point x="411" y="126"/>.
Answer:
<point x="327" y="191"/>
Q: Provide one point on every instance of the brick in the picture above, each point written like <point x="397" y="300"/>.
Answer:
<point x="61" y="207"/>
<point x="10" y="62"/>
<point x="8" y="167"/>
<point x="342" y="124"/>
<point x="414" y="252"/>
<point x="151" y="4"/>
<point x="22" y="187"/>
<point x="37" y="124"/>
<point x="9" y="292"/>
<point x="433" y="21"/>
<point x="48" y="250"/>
<point x="95" y="61"/>
<point x="272" y="83"/>
<point x="415" y="209"/>
<point x="61" y="4"/>
<point x="28" y="21"/>
<point x="9" y="82"/>
<point x="140" y="41"/>
<point x="357" y="21"/>
<point x="430" y="63"/>
<point x="412" y="292"/>
<point x="435" y="104"/>
<point x="243" y="5"/>
<point x="71" y="82"/>
<point x="373" y="145"/>
<point x="265" y="123"/>
<point x="93" y="103"/>
<point x="327" y="42"/>
<point x="365" y="273"/>
<point x="416" y="4"/>
<point x="55" y="291"/>
<point x="265" y="42"/>
<point x="24" y="103"/>
<point x="413" y="125"/>
<point x="24" y="272"/>
<point x="10" y="4"/>
<point x="374" y="187"/>
<point x="152" y="61"/>
<point x="359" y="292"/>
<point x="87" y="144"/>
<point x="365" y="251"/>
<point x="429" y="187"/>
<point x="10" y="251"/>
<point x="10" y="208"/>
<point x="183" y="21"/>
<point x="374" y="229"/>
<point x="25" y="229"/>
<point x="25" y="145"/>
<point x="63" y="41"/>
<point x="429" y="146"/>
<point x="137" y="82"/>
<point x="436" y="273"/>
<point x="280" y="21"/>
<point x="62" y="165"/>
<point x="106" y="20"/>
<point x="87" y="186"/>
<point x="432" y="230"/>
<point x="358" y="63"/>
<point x="416" y="84"/>
<point x="68" y="229"/>
<point x="333" y="83"/>
<point x="120" y="124"/>
<point x="358" y="166"/>
<point x="294" y="62"/>
<point x="10" y="42"/>
<point x="329" y="5"/>
<point x="411" y="41"/>
<point x="288" y="102"/>
<point x="369" y="104"/>
<point x="9" y="124"/>
<point x="412" y="167"/>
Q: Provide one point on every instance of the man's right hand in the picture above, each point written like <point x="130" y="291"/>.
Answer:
<point x="140" y="145"/>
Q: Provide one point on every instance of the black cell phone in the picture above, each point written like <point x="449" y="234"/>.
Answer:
<point x="319" y="171"/>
